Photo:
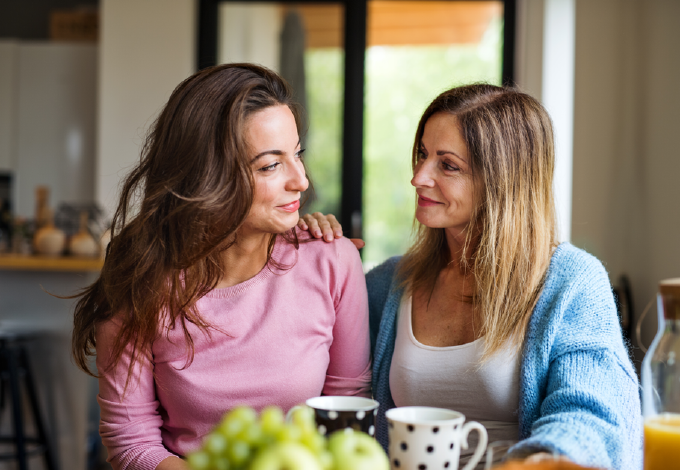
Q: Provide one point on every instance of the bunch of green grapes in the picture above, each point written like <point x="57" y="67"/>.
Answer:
<point x="243" y="441"/>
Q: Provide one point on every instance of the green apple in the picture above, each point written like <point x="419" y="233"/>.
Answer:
<point x="354" y="450"/>
<point x="285" y="456"/>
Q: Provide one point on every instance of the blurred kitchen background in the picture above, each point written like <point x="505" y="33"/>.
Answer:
<point x="80" y="82"/>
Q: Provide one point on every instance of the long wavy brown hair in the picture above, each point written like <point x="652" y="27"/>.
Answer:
<point x="512" y="231"/>
<point x="180" y="208"/>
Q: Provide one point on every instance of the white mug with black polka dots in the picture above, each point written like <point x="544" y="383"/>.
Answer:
<point x="426" y="438"/>
<point x="333" y="413"/>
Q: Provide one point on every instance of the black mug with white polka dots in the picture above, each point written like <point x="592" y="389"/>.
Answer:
<point x="426" y="438"/>
<point x="333" y="413"/>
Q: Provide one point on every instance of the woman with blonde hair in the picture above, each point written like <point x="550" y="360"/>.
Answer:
<point x="202" y="303"/>
<point x="487" y="313"/>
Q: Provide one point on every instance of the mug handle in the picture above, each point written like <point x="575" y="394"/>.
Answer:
<point x="481" y="445"/>
<point x="289" y="415"/>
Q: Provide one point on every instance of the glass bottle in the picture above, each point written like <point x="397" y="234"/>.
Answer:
<point x="661" y="383"/>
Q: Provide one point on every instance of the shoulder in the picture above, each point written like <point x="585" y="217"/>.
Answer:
<point x="577" y="302"/>
<point x="380" y="281"/>
<point x="571" y="259"/>
<point x="573" y="270"/>
<point x="384" y="272"/>
<point x="340" y="250"/>
<point x="319" y="260"/>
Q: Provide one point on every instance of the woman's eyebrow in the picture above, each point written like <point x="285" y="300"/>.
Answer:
<point x="266" y="152"/>
<point x="270" y="152"/>
<point x="441" y="153"/>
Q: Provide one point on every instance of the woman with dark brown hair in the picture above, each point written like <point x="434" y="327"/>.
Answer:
<point x="487" y="313"/>
<point x="207" y="298"/>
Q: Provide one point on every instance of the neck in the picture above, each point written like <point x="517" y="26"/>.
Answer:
<point x="456" y="242"/>
<point x="245" y="259"/>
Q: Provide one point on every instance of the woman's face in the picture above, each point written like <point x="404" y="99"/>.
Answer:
<point x="278" y="172"/>
<point x="442" y="176"/>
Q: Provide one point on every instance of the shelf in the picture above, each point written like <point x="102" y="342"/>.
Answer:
<point x="15" y="262"/>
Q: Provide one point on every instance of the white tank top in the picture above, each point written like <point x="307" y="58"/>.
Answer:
<point x="450" y="377"/>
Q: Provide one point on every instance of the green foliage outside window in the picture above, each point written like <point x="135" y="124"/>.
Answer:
<point x="400" y="83"/>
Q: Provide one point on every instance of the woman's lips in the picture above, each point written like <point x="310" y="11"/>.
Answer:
<point x="292" y="207"/>
<point x="425" y="202"/>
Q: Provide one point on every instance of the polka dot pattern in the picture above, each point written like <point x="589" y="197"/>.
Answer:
<point x="333" y="420"/>
<point x="425" y="446"/>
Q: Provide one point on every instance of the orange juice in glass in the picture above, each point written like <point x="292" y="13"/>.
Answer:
<point x="662" y="441"/>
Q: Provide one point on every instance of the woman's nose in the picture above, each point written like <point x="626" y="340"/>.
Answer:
<point x="422" y="176"/>
<point x="297" y="178"/>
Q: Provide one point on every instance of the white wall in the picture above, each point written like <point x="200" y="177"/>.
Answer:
<point x="544" y="67"/>
<point x="146" y="49"/>
<point x="9" y="58"/>
<point x="626" y="193"/>
<point x="47" y="120"/>
<point x="249" y="32"/>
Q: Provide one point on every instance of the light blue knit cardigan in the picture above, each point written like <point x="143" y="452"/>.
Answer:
<point x="579" y="393"/>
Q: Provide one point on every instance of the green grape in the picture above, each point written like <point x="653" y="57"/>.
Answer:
<point x="215" y="444"/>
<point x="325" y="458"/>
<point x="220" y="463"/>
<point x="238" y="452"/>
<point x="303" y="417"/>
<point x="251" y="434"/>
<point x="272" y="420"/>
<point x="289" y="433"/>
<point x="230" y="427"/>
<point x="314" y="442"/>
<point x="198" y="460"/>
<point x="244" y="413"/>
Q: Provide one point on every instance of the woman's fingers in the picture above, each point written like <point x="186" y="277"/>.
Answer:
<point x="302" y="224"/>
<point x="328" y="224"/>
<point x="334" y="229"/>
<point x="321" y="226"/>
<point x="309" y="223"/>
<point x="358" y="242"/>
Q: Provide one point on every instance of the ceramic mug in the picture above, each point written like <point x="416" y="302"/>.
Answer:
<point x="333" y="413"/>
<point x="426" y="438"/>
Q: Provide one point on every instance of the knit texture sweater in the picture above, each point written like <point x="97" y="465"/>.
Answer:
<point x="579" y="393"/>
<point x="278" y="338"/>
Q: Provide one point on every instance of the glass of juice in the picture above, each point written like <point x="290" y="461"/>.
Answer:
<point x="662" y="441"/>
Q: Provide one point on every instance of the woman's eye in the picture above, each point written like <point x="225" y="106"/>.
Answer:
<point x="448" y="167"/>
<point x="271" y="167"/>
<point x="300" y="153"/>
<point x="421" y="155"/>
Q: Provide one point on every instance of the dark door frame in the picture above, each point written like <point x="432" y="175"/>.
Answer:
<point x="351" y="202"/>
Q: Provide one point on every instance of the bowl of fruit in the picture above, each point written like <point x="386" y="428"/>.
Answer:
<point x="244" y="440"/>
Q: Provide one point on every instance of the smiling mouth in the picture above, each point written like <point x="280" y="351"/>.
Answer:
<point x="292" y="207"/>
<point x="425" y="202"/>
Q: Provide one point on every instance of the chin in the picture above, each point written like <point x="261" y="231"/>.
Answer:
<point x="286" y="225"/>
<point x="428" y="221"/>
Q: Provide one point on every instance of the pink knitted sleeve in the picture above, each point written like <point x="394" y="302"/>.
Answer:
<point x="130" y="424"/>
<point x="349" y="371"/>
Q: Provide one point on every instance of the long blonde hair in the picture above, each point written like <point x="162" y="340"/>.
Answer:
<point x="512" y="231"/>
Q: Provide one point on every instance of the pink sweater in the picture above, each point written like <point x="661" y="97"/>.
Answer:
<point x="288" y="336"/>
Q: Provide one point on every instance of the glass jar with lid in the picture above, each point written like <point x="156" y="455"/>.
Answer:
<point x="661" y="383"/>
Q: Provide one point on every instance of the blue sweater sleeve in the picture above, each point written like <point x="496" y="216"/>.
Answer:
<point x="580" y="395"/>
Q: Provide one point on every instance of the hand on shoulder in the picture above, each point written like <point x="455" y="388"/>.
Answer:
<point x="325" y="227"/>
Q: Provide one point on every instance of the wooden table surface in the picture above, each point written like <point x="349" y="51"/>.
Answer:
<point x="11" y="261"/>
